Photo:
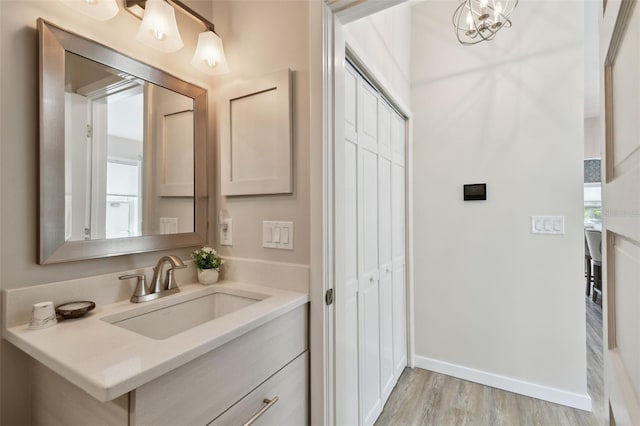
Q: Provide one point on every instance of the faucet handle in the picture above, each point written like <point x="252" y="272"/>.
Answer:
<point x="170" y="279"/>
<point x="141" y="286"/>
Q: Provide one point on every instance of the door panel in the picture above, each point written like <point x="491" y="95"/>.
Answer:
<point x="398" y="213"/>
<point x="368" y="213"/>
<point x="370" y="350"/>
<point x="351" y="211"/>
<point x="384" y="190"/>
<point x="625" y="90"/>
<point x="386" y="332"/>
<point x="384" y="129"/>
<point x="368" y="116"/>
<point x="349" y="412"/>
<point x="620" y="42"/>
<point x="626" y="263"/>
<point x="351" y="104"/>
<point x="399" y="317"/>
<point x="398" y="138"/>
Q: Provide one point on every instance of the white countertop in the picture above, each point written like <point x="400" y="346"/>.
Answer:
<point x="108" y="361"/>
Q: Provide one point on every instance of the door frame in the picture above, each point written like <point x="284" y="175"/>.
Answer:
<point x="326" y="72"/>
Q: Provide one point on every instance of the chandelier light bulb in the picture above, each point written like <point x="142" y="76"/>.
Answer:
<point x="470" y="21"/>
<point x="498" y="12"/>
<point x="158" y="33"/>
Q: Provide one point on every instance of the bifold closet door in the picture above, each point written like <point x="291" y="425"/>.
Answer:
<point x="347" y="309"/>
<point x="370" y="308"/>
<point x="368" y="276"/>
<point x="384" y="250"/>
<point x="398" y="220"/>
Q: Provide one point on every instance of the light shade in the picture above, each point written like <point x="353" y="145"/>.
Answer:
<point x="209" y="57"/>
<point x="102" y="10"/>
<point x="159" y="28"/>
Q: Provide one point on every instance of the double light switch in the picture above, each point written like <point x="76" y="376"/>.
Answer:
<point x="277" y="235"/>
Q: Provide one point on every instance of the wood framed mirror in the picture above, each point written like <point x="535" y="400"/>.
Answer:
<point x="122" y="153"/>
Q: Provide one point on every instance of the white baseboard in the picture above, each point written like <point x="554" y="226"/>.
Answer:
<point x="557" y="396"/>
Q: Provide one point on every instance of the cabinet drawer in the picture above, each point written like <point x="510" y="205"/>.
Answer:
<point x="207" y="386"/>
<point x="290" y="385"/>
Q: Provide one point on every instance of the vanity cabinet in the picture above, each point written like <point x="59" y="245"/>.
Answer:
<point x="224" y="386"/>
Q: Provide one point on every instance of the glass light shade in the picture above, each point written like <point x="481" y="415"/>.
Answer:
<point x="159" y="28"/>
<point x="209" y="57"/>
<point x="102" y="10"/>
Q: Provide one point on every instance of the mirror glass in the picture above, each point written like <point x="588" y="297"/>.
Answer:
<point x="123" y="155"/>
<point x="128" y="155"/>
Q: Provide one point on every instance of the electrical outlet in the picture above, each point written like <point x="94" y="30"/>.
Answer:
<point x="226" y="232"/>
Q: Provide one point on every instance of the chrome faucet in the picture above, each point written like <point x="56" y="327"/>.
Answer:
<point x="157" y="288"/>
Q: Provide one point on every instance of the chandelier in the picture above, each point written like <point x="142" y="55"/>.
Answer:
<point x="480" y="20"/>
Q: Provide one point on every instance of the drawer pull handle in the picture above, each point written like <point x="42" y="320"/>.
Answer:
<point x="270" y="403"/>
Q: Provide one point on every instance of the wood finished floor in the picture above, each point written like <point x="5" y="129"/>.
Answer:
<point x="423" y="397"/>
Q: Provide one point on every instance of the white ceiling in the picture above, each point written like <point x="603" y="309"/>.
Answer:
<point x="591" y="53"/>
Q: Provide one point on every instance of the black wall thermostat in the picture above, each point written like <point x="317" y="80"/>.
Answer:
<point x="475" y="192"/>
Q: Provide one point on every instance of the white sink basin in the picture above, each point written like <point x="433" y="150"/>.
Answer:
<point x="166" y="321"/>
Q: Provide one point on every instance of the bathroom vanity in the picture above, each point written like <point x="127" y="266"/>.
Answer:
<point x="215" y="354"/>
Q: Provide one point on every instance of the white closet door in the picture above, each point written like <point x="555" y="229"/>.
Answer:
<point x="368" y="253"/>
<point x="398" y="243"/>
<point x="370" y="303"/>
<point x="347" y="309"/>
<point x="384" y="231"/>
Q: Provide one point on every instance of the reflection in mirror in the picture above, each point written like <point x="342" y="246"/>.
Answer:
<point x="128" y="155"/>
<point x="122" y="153"/>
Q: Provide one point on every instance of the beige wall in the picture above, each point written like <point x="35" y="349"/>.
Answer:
<point x="19" y="155"/>
<point x="261" y="37"/>
<point x="490" y="297"/>
<point x="383" y="42"/>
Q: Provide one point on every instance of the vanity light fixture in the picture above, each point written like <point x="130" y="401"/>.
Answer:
<point x="102" y="10"/>
<point x="209" y="57"/>
<point x="480" y="20"/>
<point x="160" y="31"/>
<point x="159" y="28"/>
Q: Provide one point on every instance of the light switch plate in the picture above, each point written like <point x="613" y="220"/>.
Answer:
<point x="278" y="235"/>
<point x="547" y="225"/>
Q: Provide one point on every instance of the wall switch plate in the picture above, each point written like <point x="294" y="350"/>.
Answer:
<point x="226" y="232"/>
<point x="547" y="225"/>
<point x="278" y="235"/>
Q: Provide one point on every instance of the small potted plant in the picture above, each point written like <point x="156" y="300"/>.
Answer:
<point x="208" y="263"/>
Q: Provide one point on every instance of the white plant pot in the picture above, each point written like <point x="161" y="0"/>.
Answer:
<point x="207" y="276"/>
